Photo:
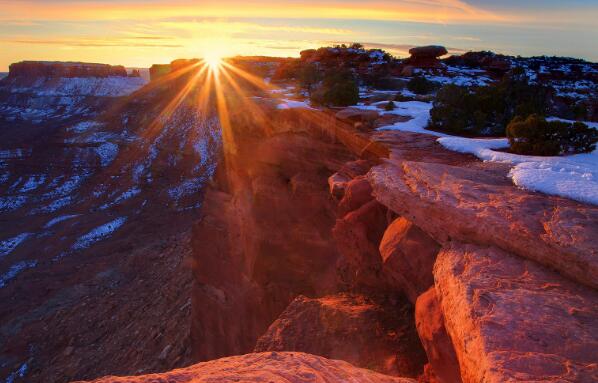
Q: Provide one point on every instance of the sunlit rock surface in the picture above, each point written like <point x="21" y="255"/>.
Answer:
<point x="450" y="202"/>
<point x="350" y="327"/>
<point x="511" y="319"/>
<point x="267" y="367"/>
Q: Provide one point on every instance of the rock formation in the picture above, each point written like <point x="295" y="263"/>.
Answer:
<point x="511" y="319"/>
<point x="267" y="367"/>
<point x="352" y="328"/>
<point x="55" y="69"/>
<point x="429" y="319"/>
<point x="408" y="254"/>
<point x="426" y="56"/>
<point x="450" y="202"/>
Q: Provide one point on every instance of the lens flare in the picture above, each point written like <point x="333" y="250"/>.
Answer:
<point x="214" y="61"/>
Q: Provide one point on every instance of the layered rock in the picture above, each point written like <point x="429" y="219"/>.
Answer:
<point x="408" y="255"/>
<point x="352" y="328"/>
<point x="267" y="367"/>
<point x="464" y="203"/>
<point x="444" y="366"/>
<point x="511" y="319"/>
<point x="56" y="69"/>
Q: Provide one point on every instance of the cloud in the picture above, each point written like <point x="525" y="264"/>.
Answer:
<point x="88" y="43"/>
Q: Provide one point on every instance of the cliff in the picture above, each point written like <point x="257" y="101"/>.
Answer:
<point x="56" y="69"/>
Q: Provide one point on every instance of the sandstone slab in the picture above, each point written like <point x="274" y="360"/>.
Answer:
<point x="350" y="327"/>
<point x="466" y="204"/>
<point x="429" y="321"/>
<point x="408" y="254"/>
<point x="267" y="367"/>
<point x="511" y="319"/>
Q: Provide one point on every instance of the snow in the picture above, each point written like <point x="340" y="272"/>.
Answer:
<point x="59" y="219"/>
<point x="418" y="111"/>
<point x="14" y="270"/>
<point x="574" y="177"/>
<point x="83" y="126"/>
<point x="107" y="153"/>
<point x="99" y="233"/>
<point x="292" y="104"/>
<point x="20" y="373"/>
<point x="10" y="203"/>
<point x="8" y="245"/>
<point x="123" y="197"/>
<point x="33" y="183"/>
<point x="85" y="86"/>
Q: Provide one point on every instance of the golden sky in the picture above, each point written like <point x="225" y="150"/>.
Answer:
<point x="139" y="33"/>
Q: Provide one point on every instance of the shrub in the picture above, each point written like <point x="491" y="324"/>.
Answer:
<point x="309" y="76"/>
<point x="421" y="85"/>
<point x="389" y="106"/>
<point x="486" y="111"/>
<point x="536" y="136"/>
<point x="337" y="89"/>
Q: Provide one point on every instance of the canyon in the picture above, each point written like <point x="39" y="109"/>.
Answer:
<point x="283" y="242"/>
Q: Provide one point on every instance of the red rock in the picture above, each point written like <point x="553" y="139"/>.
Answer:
<point x="338" y="181"/>
<point x="426" y="57"/>
<point x="54" y="69"/>
<point x="357" y="236"/>
<point x="357" y="193"/>
<point x="408" y="254"/>
<point x="511" y="319"/>
<point x="352" y="328"/>
<point x="428" y="51"/>
<point x="267" y="367"/>
<point x="357" y="115"/>
<point x="444" y="366"/>
<point x="466" y="204"/>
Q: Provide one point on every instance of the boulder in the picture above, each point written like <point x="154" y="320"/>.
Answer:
<point x="433" y="51"/>
<point x="266" y="367"/>
<point x="357" y="193"/>
<point x="466" y="204"/>
<point x="444" y="366"/>
<point x="511" y="319"/>
<point x="408" y="255"/>
<point x="426" y="57"/>
<point x="352" y="328"/>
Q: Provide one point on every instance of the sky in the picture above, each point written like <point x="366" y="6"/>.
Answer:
<point x="138" y="33"/>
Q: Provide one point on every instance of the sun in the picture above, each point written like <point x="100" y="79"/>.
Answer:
<point x="214" y="61"/>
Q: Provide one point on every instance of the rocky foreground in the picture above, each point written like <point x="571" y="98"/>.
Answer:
<point x="389" y="252"/>
<point x="327" y="251"/>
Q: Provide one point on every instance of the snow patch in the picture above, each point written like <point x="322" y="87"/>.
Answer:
<point x="99" y="233"/>
<point x="107" y="153"/>
<point x="13" y="271"/>
<point x="59" y="219"/>
<point x="293" y="104"/>
<point x="8" y="245"/>
<point x="574" y="177"/>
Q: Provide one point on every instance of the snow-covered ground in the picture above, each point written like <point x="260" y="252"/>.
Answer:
<point x="574" y="176"/>
<point x="84" y="86"/>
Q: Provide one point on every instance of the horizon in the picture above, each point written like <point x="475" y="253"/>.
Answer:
<point x="138" y="34"/>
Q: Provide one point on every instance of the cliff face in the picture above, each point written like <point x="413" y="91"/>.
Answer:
<point x="64" y="69"/>
<point x="265" y="232"/>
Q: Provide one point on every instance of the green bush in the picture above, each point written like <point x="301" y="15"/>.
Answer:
<point x="338" y="88"/>
<point x="535" y="135"/>
<point x="421" y="85"/>
<point x="389" y="106"/>
<point x="486" y="111"/>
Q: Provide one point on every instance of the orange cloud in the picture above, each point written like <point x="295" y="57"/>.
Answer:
<point x="441" y="11"/>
